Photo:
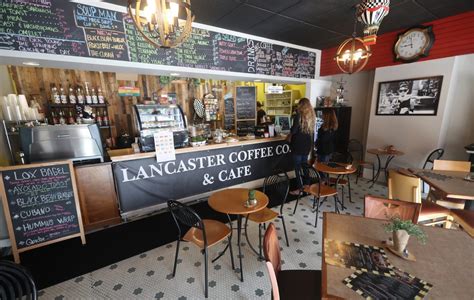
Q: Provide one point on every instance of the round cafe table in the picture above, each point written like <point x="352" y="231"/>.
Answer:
<point x="390" y="154"/>
<point x="340" y="170"/>
<point x="232" y="202"/>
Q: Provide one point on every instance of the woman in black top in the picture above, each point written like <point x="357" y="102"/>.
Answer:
<point x="326" y="135"/>
<point x="301" y="137"/>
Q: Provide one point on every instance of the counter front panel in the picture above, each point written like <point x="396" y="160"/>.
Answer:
<point x="143" y="182"/>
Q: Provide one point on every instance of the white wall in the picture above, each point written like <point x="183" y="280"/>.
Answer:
<point x="416" y="136"/>
<point x="459" y="124"/>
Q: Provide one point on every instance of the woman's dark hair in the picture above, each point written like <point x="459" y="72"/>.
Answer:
<point x="329" y="120"/>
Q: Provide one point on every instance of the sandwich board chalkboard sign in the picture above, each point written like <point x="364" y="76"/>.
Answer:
<point x="245" y="108"/>
<point x="41" y="205"/>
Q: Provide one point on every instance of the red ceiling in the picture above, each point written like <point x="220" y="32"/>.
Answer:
<point x="453" y="36"/>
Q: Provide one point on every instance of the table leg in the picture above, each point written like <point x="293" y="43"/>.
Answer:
<point x="377" y="174"/>
<point x="226" y="246"/>
<point x="239" y="230"/>
<point x="387" y="163"/>
<point x="337" y="200"/>
<point x="248" y="241"/>
<point x="349" y="188"/>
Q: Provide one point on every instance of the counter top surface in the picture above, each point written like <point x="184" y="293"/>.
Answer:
<point x="200" y="148"/>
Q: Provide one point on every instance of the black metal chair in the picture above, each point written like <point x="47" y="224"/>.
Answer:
<point x="203" y="233"/>
<point x="356" y="150"/>
<point x="276" y="188"/>
<point x="317" y="189"/>
<point x="434" y="155"/>
<point x="16" y="282"/>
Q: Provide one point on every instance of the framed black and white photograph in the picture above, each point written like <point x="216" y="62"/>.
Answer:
<point x="415" y="97"/>
<point x="284" y="122"/>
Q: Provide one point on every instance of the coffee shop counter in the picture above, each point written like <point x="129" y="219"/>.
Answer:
<point x="135" y="185"/>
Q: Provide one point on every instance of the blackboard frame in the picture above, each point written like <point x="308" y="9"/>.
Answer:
<point x="16" y="252"/>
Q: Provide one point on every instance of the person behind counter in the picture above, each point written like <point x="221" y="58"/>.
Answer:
<point x="260" y="113"/>
<point x="326" y="135"/>
<point x="301" y="137"/>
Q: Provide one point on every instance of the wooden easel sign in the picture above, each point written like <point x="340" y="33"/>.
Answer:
<point x="41" y="205"/>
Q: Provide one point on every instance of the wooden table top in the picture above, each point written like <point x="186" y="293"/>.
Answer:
<point x="231" y="201"/>
<point x="446" y="260"/>
<point x="450" y="183"/>
<point x="377" y="151"/>
<point x="341" y="170"/>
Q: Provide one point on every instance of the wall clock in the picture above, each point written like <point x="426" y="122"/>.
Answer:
<point x="414" y="43"/>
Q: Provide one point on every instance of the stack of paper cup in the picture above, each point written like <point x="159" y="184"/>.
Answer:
<point x="6" y="111"/>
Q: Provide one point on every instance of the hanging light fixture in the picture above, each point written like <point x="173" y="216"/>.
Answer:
<point x="371" y="13"/>
<point x="158" y="21"/>
<point x="353" y="54"/>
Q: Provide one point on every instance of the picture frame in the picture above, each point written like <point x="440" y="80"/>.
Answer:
<point x="284" y="122"/>
<point x="409" y="97"/>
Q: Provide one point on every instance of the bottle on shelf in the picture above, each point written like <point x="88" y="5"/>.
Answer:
<point x="100" y="96"/>
<point x="54" y="119"/>
<point x="55" y="95"/>
<point x="62" y="95"/>
<point x="62" y="120"/>
<point x="70" y="119"/>
<point x="98" y="118"/>
<point x="95" y="100"/>
<point x="105" y="119"/>
<point x="88" y="95"/>
<point x="80" y="96"/>
<point x="72" y="96"/>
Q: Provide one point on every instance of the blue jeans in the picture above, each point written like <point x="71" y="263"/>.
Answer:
<point x="298" y="160"/>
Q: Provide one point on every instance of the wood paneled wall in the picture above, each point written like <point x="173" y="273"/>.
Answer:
<point x="36" y="83"/>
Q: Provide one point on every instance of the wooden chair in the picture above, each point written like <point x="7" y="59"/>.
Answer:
<point x="16" y="282"/>
<point x="385" y="209"/>
<point x="465" y="219"/>
<point x="276" y="187"/>
<point x="356" y="150"/>
<point x="408" y="188"/>
<point x="318" y="190"/>
<point x="203" y="233"/>
<point x="344" y="158"/>
<point x="288" y="284"/>
<point x="449" y="165"/>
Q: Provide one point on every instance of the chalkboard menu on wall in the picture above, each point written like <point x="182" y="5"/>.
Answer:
<point x="245" y="102"/>
<point x="229" y="114"/>
<point x="76" y="29"/>
<point x="40" y="203"/>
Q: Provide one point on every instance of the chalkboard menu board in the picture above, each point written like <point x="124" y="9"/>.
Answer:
<point x="245" y="102"/>
<point x="229" y="114"/>
<point x="40" y="203"/>
<point x="76" y="29"/>
<point x="245" y="127"/>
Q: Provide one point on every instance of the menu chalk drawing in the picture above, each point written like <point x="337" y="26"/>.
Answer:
<point x="41" y="205"/>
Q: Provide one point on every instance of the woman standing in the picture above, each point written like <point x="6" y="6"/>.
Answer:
<point x="301" y="137"/>
<point x="326" y="135"/>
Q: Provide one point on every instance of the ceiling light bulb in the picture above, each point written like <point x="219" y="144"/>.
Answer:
<point x="148" y="13"/>
<point x="31" y="63"/>
<point x="169" y="16"/>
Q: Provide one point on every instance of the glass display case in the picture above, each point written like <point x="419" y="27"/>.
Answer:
<point x="158" y="117"/>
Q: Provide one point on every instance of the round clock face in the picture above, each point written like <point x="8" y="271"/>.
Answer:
<point x="414" y="43"/>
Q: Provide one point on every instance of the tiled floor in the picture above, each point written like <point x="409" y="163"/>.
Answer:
<point x="148" y="276"/>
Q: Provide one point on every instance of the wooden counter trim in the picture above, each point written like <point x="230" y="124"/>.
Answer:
<point x="201" y="148"/>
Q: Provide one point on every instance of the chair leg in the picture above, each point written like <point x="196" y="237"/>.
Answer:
<point x="206" y="279"/>
<point x="349" y="187"/>
<point x="231" y="252"/>
<point x="264" y="226"/>
<point x="317" y="213"/>
<point x="336" y="200"/>
<point x="314" y="202"/>
<point x="284" y="229"/>
<point x="359" y="170"/>
<point x="296" y="204"/>
<point x="342" y="201"/>
<point x="176" y="257"/>
<point x="259" y="240"/>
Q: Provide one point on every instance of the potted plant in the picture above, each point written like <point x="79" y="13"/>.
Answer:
<point x="402" y="230"/>
<point x="251" y="201"/>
